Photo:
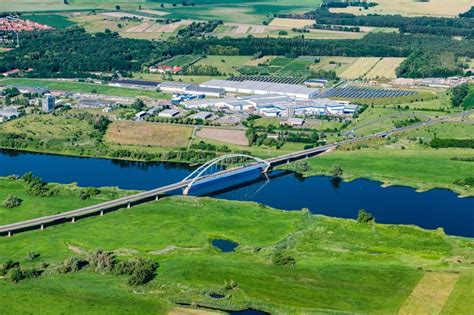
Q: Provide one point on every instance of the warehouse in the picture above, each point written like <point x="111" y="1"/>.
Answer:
<point x="185" y="88"/>
<point x="263" y="88"/>
<point x="135" y="84"/>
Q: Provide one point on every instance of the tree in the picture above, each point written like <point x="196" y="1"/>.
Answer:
<point x="364" y="216"/>
<point x="458" y="94"/>
<point x="143" y="271"/>
<point x="11" y="202"/>
<point x="337" y="171"/>
<point x="138" y="105"/>
<point x="117" y="7"/>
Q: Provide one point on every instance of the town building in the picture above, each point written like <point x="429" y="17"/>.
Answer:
<point x="165" y="69"/>
<point x="48" y="103"/>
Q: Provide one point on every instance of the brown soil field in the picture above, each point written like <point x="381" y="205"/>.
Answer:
<point x="227" y="136"/>
<point x="145" y="133"/>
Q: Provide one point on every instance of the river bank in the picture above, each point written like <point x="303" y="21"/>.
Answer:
<point x="330" y="258"/>
<point x="285" y="190"/>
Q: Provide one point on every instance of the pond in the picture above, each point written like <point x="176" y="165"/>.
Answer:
<point x="224" y="245"/>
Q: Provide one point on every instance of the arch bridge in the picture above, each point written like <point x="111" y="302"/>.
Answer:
<point x="216" y="168"/>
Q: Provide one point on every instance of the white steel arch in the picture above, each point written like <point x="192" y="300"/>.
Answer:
<point x="197" y="173"/>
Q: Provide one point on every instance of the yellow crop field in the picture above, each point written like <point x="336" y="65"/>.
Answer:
<point x="144" y="133"/>
<point x="385" y="68"/>
<point x="448" y="8"/>
<point x="291" y="23"/>
<point x="360" y="68"/>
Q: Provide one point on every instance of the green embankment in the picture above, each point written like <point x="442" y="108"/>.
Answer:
<point x="67" y="198"/>
<point x="341" y="265"/>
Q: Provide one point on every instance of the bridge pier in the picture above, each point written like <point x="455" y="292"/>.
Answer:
<point x="73" y="220"/>
<point x="101" y="212"/>
<point x="42" y="226"/>
<point x="129" y="205"/>
<point x="157" y="198"/>
<point x="9" y="233"/>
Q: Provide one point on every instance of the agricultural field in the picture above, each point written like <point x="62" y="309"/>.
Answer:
<point x="248" y="12"/>
<point x="226" y="64"/>
<point x="290" y="23"/>
<point x="258" y="30"/>
<point x="385" y="68"/>
<point x="413" y="8"/>
<point x="360" y="68"/>
<point x="236" y="137"/>
<point x="333" y="258"/>
<point x="148" y="134"/>
<point x="53" y="20"/>
<point x="147" y="29"/>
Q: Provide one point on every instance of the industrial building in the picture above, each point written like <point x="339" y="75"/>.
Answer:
<point x="48" y="103"/>
<point x="274" y="105"/>
<point x="263" y="88"/>
<point x="185" y="88"/>
<point x="135" y="84"/>
<point x="169" y="113"/>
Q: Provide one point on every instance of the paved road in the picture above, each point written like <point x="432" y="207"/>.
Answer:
<point x="128" y="201"/>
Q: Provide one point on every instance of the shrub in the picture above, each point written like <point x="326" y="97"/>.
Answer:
<point x="364" y="216"/>
<point x="30" y="256"/>
<point x="101" y="261"/>
<point x="144" y="270"/>
<point x="281" y="259"/>
<point x="337" y="171"/>
<point x="72" y="264"/>
<point x="11" y="202"/>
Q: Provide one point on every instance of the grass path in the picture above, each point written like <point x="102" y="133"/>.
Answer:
<point x="430" y="294"/>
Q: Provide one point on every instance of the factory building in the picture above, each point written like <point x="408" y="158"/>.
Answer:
<point x="263" y="88"/>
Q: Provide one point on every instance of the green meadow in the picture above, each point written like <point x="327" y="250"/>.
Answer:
<point x="340" y="265"/>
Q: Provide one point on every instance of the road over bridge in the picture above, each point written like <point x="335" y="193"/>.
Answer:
<point x="185" y="185"/>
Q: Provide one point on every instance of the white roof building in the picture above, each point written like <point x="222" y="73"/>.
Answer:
<point x="263" y="88"/>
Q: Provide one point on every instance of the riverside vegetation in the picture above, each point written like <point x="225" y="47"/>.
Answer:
<point x="133" y="261"/>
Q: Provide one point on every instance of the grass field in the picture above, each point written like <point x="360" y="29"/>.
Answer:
<point x="85" y="88"/>
<point x="226" y="136"/>
<point x="334" y="258"/>
<point x="225" y="64"/>
<point x="33" y="207"/>
<point x="148" y="134"/>
<point x="414" y="8"/>
<point x="404" y="162"/>
<point x="54" y="20"/>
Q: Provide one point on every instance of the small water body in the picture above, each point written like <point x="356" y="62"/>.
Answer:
<point x="283" y="190"/>
<point x="225" y="246"/>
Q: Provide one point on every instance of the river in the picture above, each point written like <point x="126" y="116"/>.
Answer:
<point x="284" y="190"/>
